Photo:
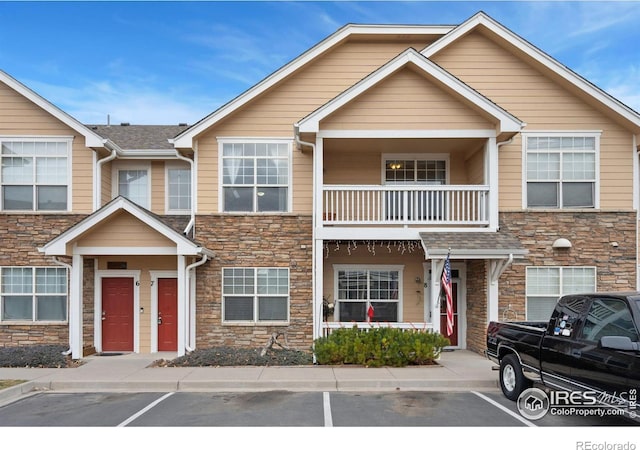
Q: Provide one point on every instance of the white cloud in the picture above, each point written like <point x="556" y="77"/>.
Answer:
<point x="95" y="102"/>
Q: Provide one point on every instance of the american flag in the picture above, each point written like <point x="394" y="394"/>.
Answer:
<point x="445" y="290"/>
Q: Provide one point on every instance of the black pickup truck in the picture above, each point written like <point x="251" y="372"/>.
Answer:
<point x="591" y="343"/>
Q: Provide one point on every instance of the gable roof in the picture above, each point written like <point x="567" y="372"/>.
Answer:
<point x="92" y="139"/>
<point x="184" y="245"/>
<point x="483" y="20"/>
<point x="507" y="122"/>
<point x="185" y="139"/>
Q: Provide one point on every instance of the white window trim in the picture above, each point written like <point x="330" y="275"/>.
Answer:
<point x="254" y="140"/>
<point x="255" y="295"/>
<point x="173" y="165"/>
<point x="560" y="293"/>
<point x="131" y="165"/>
<point x="33" y="295"/>
<point x="368" y="267"/>
<point x="582" y="133"/>
<point x="415" y="156"/>
<point x="66" y="139"/>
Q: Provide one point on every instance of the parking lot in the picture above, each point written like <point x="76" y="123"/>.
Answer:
<point x="279" y="409"/>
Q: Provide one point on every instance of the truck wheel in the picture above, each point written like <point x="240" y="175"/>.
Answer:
<point x="512" y="380"/>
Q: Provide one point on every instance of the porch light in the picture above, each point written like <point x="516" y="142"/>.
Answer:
<point x="562" y="243"/>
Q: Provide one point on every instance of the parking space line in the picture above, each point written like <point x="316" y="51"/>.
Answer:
<point x="326" y="403"/>
<point x="145" y="409"/>
<point x="507" y="410"/>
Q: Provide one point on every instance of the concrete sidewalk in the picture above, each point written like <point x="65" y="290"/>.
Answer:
<point x="456" y="370"/>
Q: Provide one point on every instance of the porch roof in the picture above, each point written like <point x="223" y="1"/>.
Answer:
<point x="472" y="245"/>
<point x="184" y="245"/>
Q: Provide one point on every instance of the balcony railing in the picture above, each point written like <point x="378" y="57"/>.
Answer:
<point x="406" y="205"/>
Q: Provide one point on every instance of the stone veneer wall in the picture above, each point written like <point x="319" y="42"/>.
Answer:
<point x="254" y="241"/>
<point x="476" y="305"/>
<point x="591" y="235"/>
<point x="20" y="237"/>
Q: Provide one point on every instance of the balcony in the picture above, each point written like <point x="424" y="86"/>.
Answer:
<point x="421" y="205"/>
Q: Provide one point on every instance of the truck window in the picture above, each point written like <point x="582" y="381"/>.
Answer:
<point x="609" y="317"/>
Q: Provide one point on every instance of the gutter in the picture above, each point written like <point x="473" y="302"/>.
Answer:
<point x="192" y="221"/>
<point x="69" y="268"/>
<point x="115" y="150"/>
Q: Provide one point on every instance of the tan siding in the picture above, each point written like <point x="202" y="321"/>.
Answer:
<point x="274" y="113"/>
<point x="405" y="100"/>
<point x="21" y="117"/>
<point x="124" y="230"/>
<point x="107" y="182"/>
<point x="543" y="103"/>
<point x="157" y="187"/>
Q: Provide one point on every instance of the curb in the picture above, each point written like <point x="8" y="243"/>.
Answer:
<point x="248" y="386"/>
<point x="12" y="393"/>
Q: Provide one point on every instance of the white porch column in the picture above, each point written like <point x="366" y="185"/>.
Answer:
<point x="318" y="263"/>
<point x="182" y="305"/>
<point x="436" y="270"/>
<point x="491" y="175"/>
<point x="75" y="306"/>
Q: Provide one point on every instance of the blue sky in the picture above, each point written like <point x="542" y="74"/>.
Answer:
<point x="167" y="62"/>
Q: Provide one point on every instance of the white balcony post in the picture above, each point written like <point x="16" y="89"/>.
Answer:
<point x="491" y="171"/>
<point x="318" y="219"/>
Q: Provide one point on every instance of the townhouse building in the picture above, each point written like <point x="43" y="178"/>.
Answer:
<point x="346" y="177"/>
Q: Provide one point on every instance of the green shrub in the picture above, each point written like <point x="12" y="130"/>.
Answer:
<point x="378" y="347"/>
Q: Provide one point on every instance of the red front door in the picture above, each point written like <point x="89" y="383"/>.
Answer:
<point x="167" y="314"/>
<point x="443" y="316"/>
<point x="117" y="314"/>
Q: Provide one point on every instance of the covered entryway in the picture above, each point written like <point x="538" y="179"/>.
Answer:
<point x="117" y="314"/>
<point x="484" y="257"/>
<point x="144" y="282"/>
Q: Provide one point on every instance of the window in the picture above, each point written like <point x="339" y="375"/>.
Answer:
<point x="33" y="294"/>
<point x="609" y="317"/>
<point x="561" y="171"/>
<point x="132" y="182"/>
<point x="35" y="175"/>
<point x="359" y="288"/>
<point x="178" y="189"/>
<point x="546" y="284"/>
<point x="255" y="176"/>
<point x="255" y="295"/>
<point x="406" y="170"/>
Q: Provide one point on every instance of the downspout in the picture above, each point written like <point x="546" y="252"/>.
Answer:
<point x="69" y="268"/>
<point x="98" y="181"/>
<point x="192" y="222"/>
<point x="188" y="269"/>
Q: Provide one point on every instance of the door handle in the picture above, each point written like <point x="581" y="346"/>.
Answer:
<point x="104" y="315"/>
<point x="159" y="320"/>
<point x="576" y="353"/>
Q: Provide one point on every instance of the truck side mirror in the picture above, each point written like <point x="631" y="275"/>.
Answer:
<point x="619" y="343"/>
